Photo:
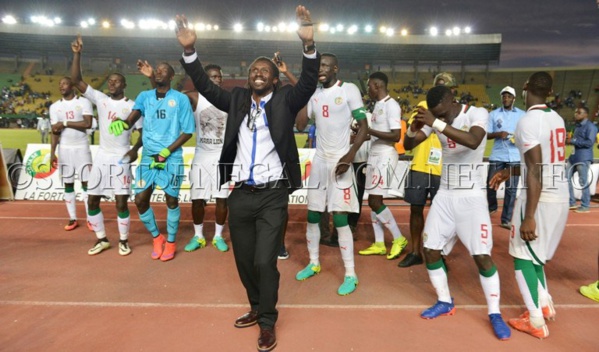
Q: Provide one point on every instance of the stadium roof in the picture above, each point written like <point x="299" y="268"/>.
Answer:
<point x="236" y="49"/>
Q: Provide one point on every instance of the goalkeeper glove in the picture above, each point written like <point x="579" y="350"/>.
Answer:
<point x="117" y="127"/>
<point x="159" y="161"/>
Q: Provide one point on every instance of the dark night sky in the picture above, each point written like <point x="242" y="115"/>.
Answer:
<point x="535" y="33"/>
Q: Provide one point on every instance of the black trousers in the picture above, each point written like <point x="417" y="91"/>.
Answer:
<point x="256" y="221"/>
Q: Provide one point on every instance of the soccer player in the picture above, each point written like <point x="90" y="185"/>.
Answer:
<point x="210" y="134"/>
<point x="331" y="184"/>
<point x="541" y="210"/>
<point x="460" y="206"/>
<point x="168" y="123"/>
<point x="71" y="116"/>
<point x="385" y="126"/>
<point x="108" y="176"/>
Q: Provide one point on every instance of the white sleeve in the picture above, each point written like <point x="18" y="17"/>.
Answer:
<point x="203" y="103"/>
<point x="87" y="108"/>
<point x="354" y="97"/>
<point x="54" y="118"/>
<point x="94" y="95"/>
<point x="526" y="134"/>
<point x="394" y="115"/>
<point x="479" y="117"/>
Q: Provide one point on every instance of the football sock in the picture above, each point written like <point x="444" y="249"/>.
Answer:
<point x="149" y="221"/>
<point x="386" y="218"/>
<point x="172" y="223"/>
<point x="313" y="239"/>
<point x="96" y="219"/>
<point x="70" y="198"/>
<point x="199" y="230"/>
<point x="542" y="288"/>
<point x="124" y="223"/>
<point x="437" y="272"/>
<point x="527" y="280"/>
<point x="346" y="246"/>
<point x="489" y="280"/>
<point x="218" y="230"/>
<point x="379" y="230"/>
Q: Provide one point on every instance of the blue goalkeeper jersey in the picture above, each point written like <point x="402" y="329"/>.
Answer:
<point x="164" y="119"/>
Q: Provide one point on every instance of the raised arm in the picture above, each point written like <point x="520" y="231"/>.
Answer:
<point x="283" y="68"/>
<point x="218" y="97"/>
<point x="147" y="70"/>
<point x="76" y="78"/>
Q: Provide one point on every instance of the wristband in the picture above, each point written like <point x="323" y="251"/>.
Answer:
<point x="64" y="123"/>
<point x="439" y="125"/>
<point x="308" y="48"/>
<point x="411" y="133"/>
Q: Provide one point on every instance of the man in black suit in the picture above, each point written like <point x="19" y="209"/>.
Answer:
<point x="260" y="155"/>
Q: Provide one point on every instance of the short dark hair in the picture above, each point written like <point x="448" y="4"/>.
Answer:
<point x="120" y="75"/>
<point x="331" y="55"/>
<point x="212" y="67"/>
<point x="540" y="83"/>
<point x="436" y="95"/>
<point x="380" y="76"/>
<point x="586" y="109"/>
<point x="171" y="70"/>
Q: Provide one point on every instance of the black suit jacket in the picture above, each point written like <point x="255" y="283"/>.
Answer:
<point x="280" y="111"/>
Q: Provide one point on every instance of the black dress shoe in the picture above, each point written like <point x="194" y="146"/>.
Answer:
<point x="248" y="319"/>
<point x="410" y="259"/>
<point x="267" y="339"/>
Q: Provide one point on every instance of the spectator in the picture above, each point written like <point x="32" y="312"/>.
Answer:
<point x="581" y="158"/>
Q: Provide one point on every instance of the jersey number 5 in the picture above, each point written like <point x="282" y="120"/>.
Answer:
<point x="557" y="140"/>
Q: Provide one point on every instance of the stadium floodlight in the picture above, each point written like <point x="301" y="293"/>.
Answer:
<point x="389" y="32"/>
<point x="57" y="20"/>
<point x="267" y="28"/>
<point x="200" y="26"/>
<point x="91" y="21"/>
<point x="215" y="27"/>
<point x="383" y="29"/>
<point x="448" y="32"/>
<point x="339" y="28"/>
<point x="127" y="24"/>
<point x="467" y="30"/>
<point x="172" y="25"/>
<point x="368" y="28"/>
<point x="105" y="24"/>
<point x="83" y="24"/>
<point x="208" y="27"/>
<point x="434" y="31"/>
<point x="275" y="29"/>
<point x="292" y="27"/>
<point x="9" y="19"/>
<point x="333" y="30"/>
<point x="260" y="27"/>
<point x="238" y="27"/>
<point x="352" y="29"/>
<point x="456" y="30"/>
<point x="404" y="32"/>
<point x="282" y="26"/>
<point x="323" y="27"/>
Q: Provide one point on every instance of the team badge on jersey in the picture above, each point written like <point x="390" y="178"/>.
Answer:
<point x="339" y="100"/>
<point x="126" y="111"/>
<point x="172" y="103"/>
<point x="141" y="183"/>
<point x="78" y="108"/>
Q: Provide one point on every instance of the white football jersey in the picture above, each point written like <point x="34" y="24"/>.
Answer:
<point x="71" y="111"/>
<point x="462" y="166"/>
<point x="210" y="126"/>
<point x="545" y="127"/>
<point x="108" y="111"/>
<point x="386" y="116"/>
<point x="332" y="107"/>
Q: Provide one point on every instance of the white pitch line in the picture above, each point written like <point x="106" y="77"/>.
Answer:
<point x="232" y="305"/>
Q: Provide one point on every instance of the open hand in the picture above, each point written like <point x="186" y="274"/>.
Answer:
<point x="306" y="27"/>
<point x="187" y="37"/>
